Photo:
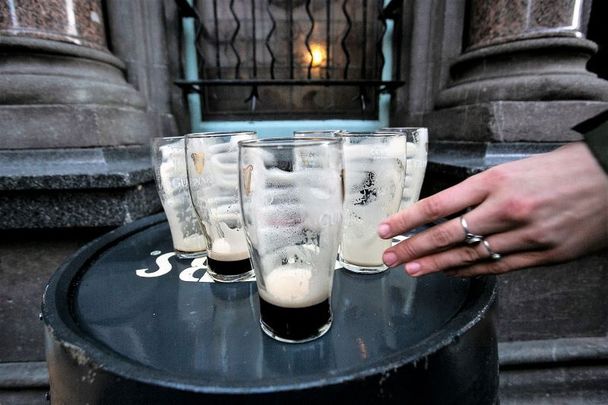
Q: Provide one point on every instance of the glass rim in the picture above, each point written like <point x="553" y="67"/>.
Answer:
<point x="361" y="134"/>
<point x="393" y="129"/>
<point x="318" y="131"/>
<point x="217" y="134"/>
<point x="288" y="142"/>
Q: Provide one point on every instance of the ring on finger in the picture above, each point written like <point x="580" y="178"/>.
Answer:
<point x="493" y="255"/>
<point x="470" y="238"/>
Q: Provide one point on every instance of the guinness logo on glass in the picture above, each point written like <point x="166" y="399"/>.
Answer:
<point x="247" y="170"/>
<point x="199" y="161"/>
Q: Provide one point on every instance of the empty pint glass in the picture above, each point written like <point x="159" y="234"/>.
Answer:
<point x="374" y="166"/>
<point x="415" y="165"/>
<point x="169" y="161"/>
<point x="291" y="197"/>
<point x="214" y="187"/>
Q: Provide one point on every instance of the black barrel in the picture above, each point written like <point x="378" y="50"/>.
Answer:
<point x="129" y="323"/>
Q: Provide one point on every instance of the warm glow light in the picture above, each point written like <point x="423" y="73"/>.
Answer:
<point x="318" y="55"/>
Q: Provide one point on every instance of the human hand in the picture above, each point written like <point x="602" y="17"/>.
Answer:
<point x="545" y="209"/>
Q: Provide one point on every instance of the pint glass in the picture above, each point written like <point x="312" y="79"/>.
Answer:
<point x="169" y="161"/>
<point x="416" y="151"/>
<point x="374" y="166"/>
<point x="214" y="188"/>
<point x="291" y="197"/>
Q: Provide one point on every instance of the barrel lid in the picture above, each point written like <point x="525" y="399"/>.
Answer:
<point x="127" y="304"/>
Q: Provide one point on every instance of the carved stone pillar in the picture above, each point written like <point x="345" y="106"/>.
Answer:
<point x="81" y="94"/>
<point x="522" y="75"/>
<point x="59" y="84"/>
<point x="73" y="132"/>
<point x="497" y="81"/>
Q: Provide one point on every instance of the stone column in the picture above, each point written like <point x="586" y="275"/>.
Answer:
<point x="74" y="158"/>
<point x="60" y="85"/>
<point x="522" y="73"/>
<point x="73" y="132"/>
<point x="517" y="83"/>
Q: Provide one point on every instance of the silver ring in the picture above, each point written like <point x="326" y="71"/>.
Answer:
<point x="470" y="238"/>
<point x="493" y="255"/>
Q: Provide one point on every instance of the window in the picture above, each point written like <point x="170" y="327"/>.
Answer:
<point x="289" y="64"/>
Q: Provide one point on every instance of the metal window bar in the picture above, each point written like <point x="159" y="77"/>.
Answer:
<point x="327" y="38"/>
<point x="237" y="67"/>
<point x="371" y="78"/>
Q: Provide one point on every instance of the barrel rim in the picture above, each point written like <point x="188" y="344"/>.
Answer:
<point x="65" y="332"/>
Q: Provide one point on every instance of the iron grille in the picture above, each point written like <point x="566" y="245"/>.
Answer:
<point x="282" y="54"/>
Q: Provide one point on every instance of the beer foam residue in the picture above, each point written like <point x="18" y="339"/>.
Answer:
<point x="192" y="243"/>
<point x="229" y="250"/>
<point x="294" y="287"/>
<point x="294" y="215"/>
<point x="374" y="176"/>
<point x="172" y="169"/>
<point x="292" y="208"/>
<point x="217" y="198"/>
<point x="414" y="174"/>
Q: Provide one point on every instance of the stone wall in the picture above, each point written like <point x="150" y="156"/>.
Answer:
<point x="84" y="86"/>
<point x="497" y="81"/>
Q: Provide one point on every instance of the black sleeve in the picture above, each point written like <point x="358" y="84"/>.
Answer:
<point x="595" y="131"/>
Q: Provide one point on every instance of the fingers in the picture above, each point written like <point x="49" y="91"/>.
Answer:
<point x="430" y="241"/>
<point x="469" y="193"/>
<point x="464" y="260"/>
<point x="490" y="217"/>
<point x="445" y="235"/>
<point x="508" y="263"/>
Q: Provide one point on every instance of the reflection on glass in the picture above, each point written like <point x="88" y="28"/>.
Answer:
<point x="374" y="168"/>
<point x="417" y="150"/>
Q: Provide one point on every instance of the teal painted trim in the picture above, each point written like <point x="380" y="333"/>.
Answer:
<point x="272" y="129"/>
<point x="285" y="127"/>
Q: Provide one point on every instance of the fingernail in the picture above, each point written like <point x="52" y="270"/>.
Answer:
<point x="390" y="259"/>
<point x="413" y="268"/>
<point x="384" y="230"/>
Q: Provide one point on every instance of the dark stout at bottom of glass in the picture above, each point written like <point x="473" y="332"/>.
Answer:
<point x="295" y="323"/>
<point x="229" y="268"/>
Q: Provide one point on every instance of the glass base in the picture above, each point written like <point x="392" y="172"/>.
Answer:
<point x="190" y="255"/>
<point x="232" y="278"/>
<point x="355" y="268"/>
<point x="323" y="330"/>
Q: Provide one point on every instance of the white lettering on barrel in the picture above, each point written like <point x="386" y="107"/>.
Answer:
<point x="163" y="264"/>
<point x="196" y="265"/>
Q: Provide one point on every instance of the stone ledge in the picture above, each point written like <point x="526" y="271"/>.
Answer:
<point x="512" y="121"/>
<point x="554" y="371"/>
<point x="24" y="375"/>
<point x="477" y="156"/>
<point x="80" y="208"/>
<point x="75" y="187"/>
<point x="84" y="168"/>
<point x="552" y="351"/>
<point x="450" y="162"/>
